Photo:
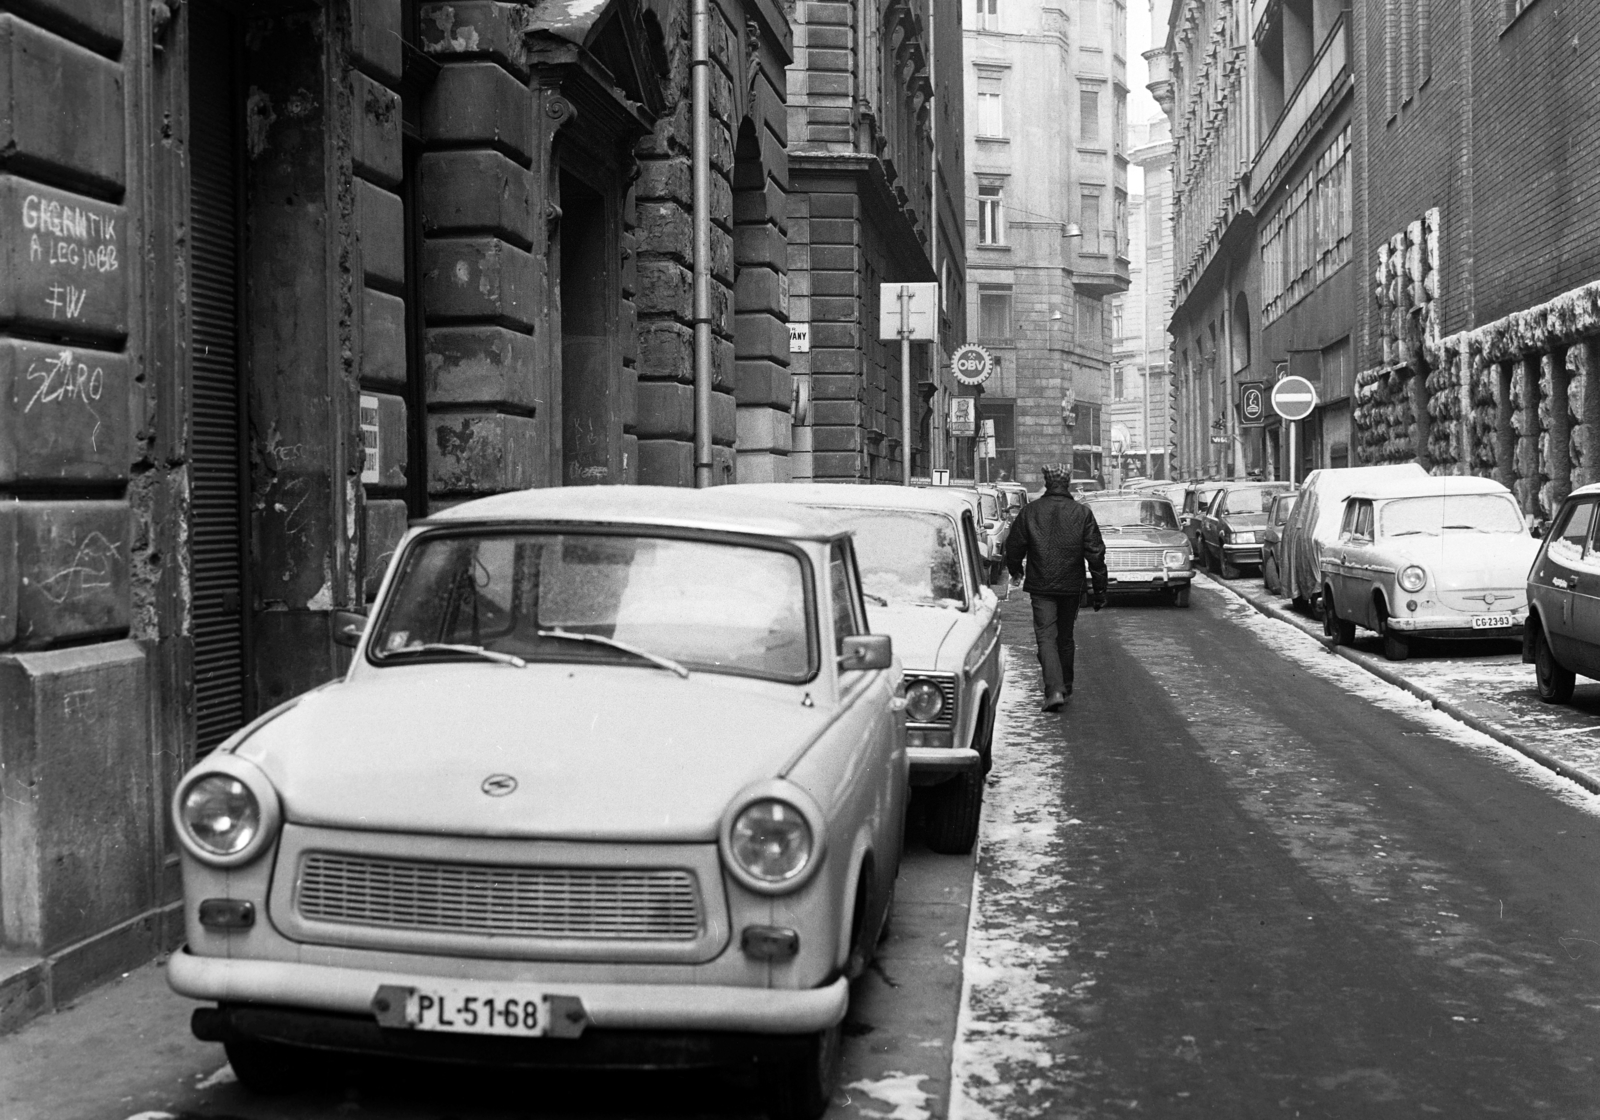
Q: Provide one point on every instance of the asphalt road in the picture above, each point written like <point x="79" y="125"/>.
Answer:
<point x="1239" y="877"/>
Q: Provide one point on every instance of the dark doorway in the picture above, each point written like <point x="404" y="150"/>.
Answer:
<point x="591" y="420"/>
<point x="217" y="467"/>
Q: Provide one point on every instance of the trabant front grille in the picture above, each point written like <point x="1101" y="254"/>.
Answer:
<point x="591" y="903"/>
<point x="1133" y="559"/>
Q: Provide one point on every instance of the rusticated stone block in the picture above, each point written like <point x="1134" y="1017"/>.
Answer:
<point x="724" y="418"/>
<point x="75" y="807"/>
<point x="759" y="289"/>
<point x="666" y="351"/>
<point x="668" y="179"/>
<point x="376" y="149"/>
<point x="764" y="466"/>
<point x="382" y="527"/>
<point x="666" y="462"/>
<point x="666" y="229"/>
<point x="837" y="439"/>
<point x="477" y="29"/>
<point x="480" y="103"/>
<point x="826" y="413"/>
<point x="763" y="335"/>
<point x="482" y="365"/>
<point x="724" y="465"/>
<point x="837" y="464"/>
<point x="63" y="264"/>
<point x="835" y="361"/>
<point x="665" y="410"/>
<point x="481" y="452"/>
<point x="835" y="387"/>
<point x="383" y="338"/>
<point x="375" y="35"/>
<point x="380" y="221"/>
<point x="383" y="439"/>
<point x="630" y="460"/>
<point x="72" y="570"/>
<point x="64" y="414"/>
<point x="760" y="246"/>
<point x="60" y="107"/>
<point x="842" y="335"/>
<point x="479" y="278"/>
<point x="477" y="190"/>
<point x="666" y="287"/>
<point x="762" y="383"/>
<point x="8" y="573"/>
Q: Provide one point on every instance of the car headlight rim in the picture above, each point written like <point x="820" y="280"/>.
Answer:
<point x="1413" y="578"/>
<point x="1175" y="557"/>
<point x="775" y="791"/>
<point x="229" y="778"/>
<point x="924" y="701"/>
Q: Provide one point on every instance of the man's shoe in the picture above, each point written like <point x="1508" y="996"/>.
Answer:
<point x="1055" y="701"/>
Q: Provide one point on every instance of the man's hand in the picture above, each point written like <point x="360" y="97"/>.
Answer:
<point x="1097" y="600"/>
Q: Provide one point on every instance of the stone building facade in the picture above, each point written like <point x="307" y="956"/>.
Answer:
<point x="1479" y="318"/>
<point x="279" y="277"/>
<point x="875" y="162"/>
<point x="1047" y="223"/>
<point x="1140" y="409"/>
<point x="1202" y="78"/>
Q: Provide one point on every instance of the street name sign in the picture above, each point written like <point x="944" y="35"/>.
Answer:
<point x="971" y="365"/>
<point x="1293" y="398"/>
<point x="1252" y="403"/>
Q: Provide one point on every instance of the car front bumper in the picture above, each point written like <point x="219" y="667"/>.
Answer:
<point x="932" y="765"/>
<point x="1456" y="626"/>
<point x="1242" y="553"/>
<point x="1118" y="582"/>
<point x="336" y="991"/>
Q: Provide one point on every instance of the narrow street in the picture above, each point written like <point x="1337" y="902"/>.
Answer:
<point x="1238" y="877"/>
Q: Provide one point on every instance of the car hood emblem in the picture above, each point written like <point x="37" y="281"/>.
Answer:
<point x="498" y="785"/>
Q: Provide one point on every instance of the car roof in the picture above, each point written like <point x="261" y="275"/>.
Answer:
<point x="1429" y="486"/>
<point x="936" y="499"/>
<point x="713" y="509"/>
<point x="1257" y="483"/>
<point x="1586" y="491"/>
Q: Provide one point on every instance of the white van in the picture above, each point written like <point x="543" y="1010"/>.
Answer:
<point x="1315" y="522"/>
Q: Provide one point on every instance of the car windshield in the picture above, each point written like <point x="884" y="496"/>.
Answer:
<point x="541" y="596"/>
<point x="1449" y="513"/>
<point x="989" y="505"/>
<point x="1283" y="509"/>
<point x="1126" y="513"/>
<point x="907" y="556"/>
<point x="1250" y="500"/>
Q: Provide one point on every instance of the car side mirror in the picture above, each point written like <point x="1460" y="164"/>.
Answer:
<point x="348" y="626"/>
<point x="866" y="651"/>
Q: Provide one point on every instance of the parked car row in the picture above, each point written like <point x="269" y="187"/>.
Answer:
<point x="617" y="776"/>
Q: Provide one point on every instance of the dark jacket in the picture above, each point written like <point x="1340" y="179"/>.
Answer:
<point x="1057" y="535"/>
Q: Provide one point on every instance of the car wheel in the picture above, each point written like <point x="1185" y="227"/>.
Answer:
<point x="270" y="1068"/>
<point x="798" y="1081"/>
<point x="1180" y="596"/>
<point x="1228" y="570"/>
<point x="1269" y="575"/>
<point x="1339" y="631"/>
<point x="1555" y="684"/>
<point x="1395" y="649"/>
<point x="953" y="811"/>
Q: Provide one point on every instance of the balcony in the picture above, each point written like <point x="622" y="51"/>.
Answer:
<point x="1324" y="83"/>
<point x="1099" y="263"/>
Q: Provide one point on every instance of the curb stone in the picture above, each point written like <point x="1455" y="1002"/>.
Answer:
<point x="1444" y="704"/>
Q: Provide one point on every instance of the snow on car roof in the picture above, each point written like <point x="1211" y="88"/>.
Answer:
<point x="1428" y="486"/>
<point x="941" y="499"/>
<point x="719" y="508"/>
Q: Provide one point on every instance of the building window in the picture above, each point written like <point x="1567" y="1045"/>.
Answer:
<point x="1116" y="323"/>
<point x="1308" y="239"/>
<point x="1089" y="220"/>
<point x="988" y="15"/>
<point x="994" y="313"/>
<point x="1120" y="226"/>
<point x="1119" y="379"/>
<point x="991" y="215"/>
<point x="1089" y="116"/>
<point x="1088" y="22"/>
<point x="1119" y="121"/>
<point x="990" y="120"/>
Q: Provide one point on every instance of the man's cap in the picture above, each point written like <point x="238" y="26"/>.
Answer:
<point x="1056" y="472"/>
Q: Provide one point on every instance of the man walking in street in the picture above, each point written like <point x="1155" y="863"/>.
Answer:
<point x="1057" y="536"/>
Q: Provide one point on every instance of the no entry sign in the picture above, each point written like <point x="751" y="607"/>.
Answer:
<point x="1293" y="398"/>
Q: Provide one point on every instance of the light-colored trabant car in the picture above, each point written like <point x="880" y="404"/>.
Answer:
<point x="617" y="777"/>
<point x="1145" y="549"/>
<point x="922" y="571"/>
<point x="1443" y="557"/>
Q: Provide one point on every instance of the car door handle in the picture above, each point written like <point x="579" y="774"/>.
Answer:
<point x="1557" y="581"/>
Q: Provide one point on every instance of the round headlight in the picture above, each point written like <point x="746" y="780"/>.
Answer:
<point x="1174" y="558"/>
<point x="924" y="702"/>
<point x="1412" y="578"/>
<point x="771" y="841"/>
<point x="221" y="815"/>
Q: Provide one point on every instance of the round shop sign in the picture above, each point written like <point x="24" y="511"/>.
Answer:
<point x="971" y="365"/>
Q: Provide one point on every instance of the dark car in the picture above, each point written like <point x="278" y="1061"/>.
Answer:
<point x="1562" y="633"/>
<point x="1196" y="497"/>
<point x="1272" y="538"/>
<point x="1144" y="549"/>
<point x="1232" y="525"/>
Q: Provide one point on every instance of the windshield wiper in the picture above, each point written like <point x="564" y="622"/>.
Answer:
<point x="1414" y="533"/>
<point x="453" y="647"/>
<point x="879" y="599"/>
<point x="654" y="658"/>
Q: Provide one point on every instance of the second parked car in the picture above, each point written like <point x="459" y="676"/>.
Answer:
<point x="1232" y="526"/>
<point x="1563" y="632"/>
<point x="1272" y="538"/>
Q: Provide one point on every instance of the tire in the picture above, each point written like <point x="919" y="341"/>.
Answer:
<point x="270" y="1069"/>
<point x="798" y="1082"/>
<point x="1180" y="596"/>
<point x="1395" y="649"/>
<point x="1225" y="569"/>
<point x="1269" y="574"/>
<point x="1339" y="631"/>
<point x="1555" y="684"/>
<point x="954" y="808"/>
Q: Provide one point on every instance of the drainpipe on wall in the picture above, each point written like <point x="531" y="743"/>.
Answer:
<point x="935" y="444"/>
<point x="699" y="66"/>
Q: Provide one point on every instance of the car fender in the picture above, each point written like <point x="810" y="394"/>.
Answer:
<point x="861" y="849"/>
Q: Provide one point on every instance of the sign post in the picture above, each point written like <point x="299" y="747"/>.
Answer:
<point x="917" y="321"/>
<point x="1293" y="398"/>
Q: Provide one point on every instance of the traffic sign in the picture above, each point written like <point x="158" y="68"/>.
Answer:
<point x="1293" y="398"/>
<point x="1252" y="403"/>
<point x="971" y="365"/>
<point x="909" y="311"/>
<point x="964" y="417"/>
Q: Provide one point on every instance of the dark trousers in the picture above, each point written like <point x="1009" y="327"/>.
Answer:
<point x="1054" y="616"/>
